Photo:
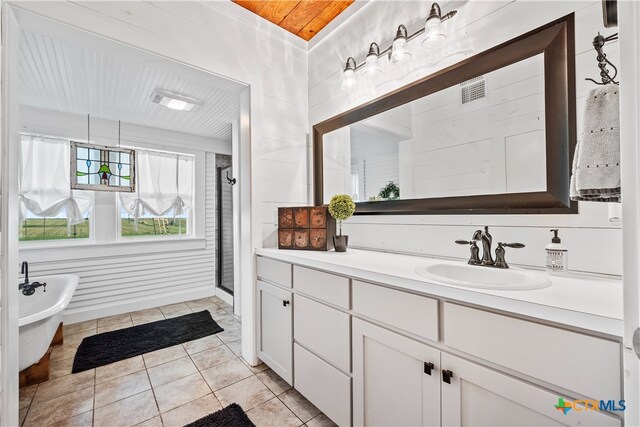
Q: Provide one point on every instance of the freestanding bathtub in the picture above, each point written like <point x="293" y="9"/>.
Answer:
<point x="41" y="314"/>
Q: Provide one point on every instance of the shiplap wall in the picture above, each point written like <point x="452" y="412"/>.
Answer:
<point x="595" y="245"/>
<point x="114" y="283"/>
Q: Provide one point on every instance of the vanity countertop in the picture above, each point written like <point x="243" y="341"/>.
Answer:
<point x="586" y="302"/>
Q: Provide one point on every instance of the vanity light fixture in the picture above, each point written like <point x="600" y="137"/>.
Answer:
<point x="434" y="36"/>
<point x="349" y="74"/>
<point x="372" y="62"/>
<point x="175" y="101"/>
<point x="399" y="50"/>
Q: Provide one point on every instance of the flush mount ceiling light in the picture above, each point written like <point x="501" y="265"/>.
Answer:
<point x="175" y="101"/>
<point x="398" y="51"/>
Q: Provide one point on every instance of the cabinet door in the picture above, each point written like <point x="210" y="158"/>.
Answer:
<point x="479" y="396"/>
<point x="275" y="344"/>
<point x="396" y="380"/>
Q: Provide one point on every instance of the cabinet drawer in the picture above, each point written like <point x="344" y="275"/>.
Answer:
<point x="412" y="313"/>
<point x="578" y="362"/>
<point x="323" y="385"/>
<point x="324" y="286"/>
<point x="274" y="271"/>
<point x="323" y="330"/>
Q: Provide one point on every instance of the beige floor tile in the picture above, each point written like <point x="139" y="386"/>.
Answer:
<point x="202" y="344"/>
<point x="218" y="301"/>
<point x="78" y="337"/>
<point x="226" y="321"/>
<point x="213" y="356"/>
<point x="179" y="392"/>
<point x="168" y="354"/>
<point x="300" y="406"/>
<point x="82" y="420"/>
<point x="272" y="380"/>
<point x="114" y="320"/>
<point x="202" y="304"/>
<point x="225" y="374"/>
<point x="171" y="371"/>
<point x="60" y="386"/>
<point x="64" y="351"/>
<point x="321" y="421"/>
<point x="216" y="311"/>
<point x="121" y="388"/>
<point x="69" y="405"/>
<point x="191" y="411"/>
<point x="60" y="367"/>
<point x="153" y="422"/>
<point x="247" y="393"/>
<point x="146" y="316"/>
<point x="255" y="369"/>
<point x="273" y="413"/>
<point x="178" y="313"/>
<point x="74" y="328"/>
<point x="174" y="308"/>
<point x="127" y="412"/>
<point x="114" y="326"/>
<point x="231" y="334"/>
<point x="236" y="347"/>
<point x="119" y="369"/>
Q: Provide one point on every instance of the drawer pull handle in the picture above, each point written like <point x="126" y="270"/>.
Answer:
<point x="428" y="366"/>
<point x="285" y="303"/>
<point x="446" y="376"/>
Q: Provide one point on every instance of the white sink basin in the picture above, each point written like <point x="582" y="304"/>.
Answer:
<point x="475" y="276"/>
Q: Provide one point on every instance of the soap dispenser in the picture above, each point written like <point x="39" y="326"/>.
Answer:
<point x="556" y="255"/>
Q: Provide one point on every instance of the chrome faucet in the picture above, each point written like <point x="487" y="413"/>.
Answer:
<point x="486" y="239"/>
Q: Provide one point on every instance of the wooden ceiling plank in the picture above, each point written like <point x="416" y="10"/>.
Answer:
<point x="302" y="14"/>
<point x="327" y="15"/>
<point x="275" y="11"/>
<point x="254" y="6"/>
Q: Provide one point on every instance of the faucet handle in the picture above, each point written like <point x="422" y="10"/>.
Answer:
<point x="511" y="245"/>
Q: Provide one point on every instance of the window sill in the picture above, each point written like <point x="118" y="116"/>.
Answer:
<point x="66" y="251"/>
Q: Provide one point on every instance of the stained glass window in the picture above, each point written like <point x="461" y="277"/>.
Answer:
<point x="95" y="167"/>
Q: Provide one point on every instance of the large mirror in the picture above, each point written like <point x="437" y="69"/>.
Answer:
<point x="492" y="134"/>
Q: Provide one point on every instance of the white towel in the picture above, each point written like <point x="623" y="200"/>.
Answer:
<point x="596" y="163"/>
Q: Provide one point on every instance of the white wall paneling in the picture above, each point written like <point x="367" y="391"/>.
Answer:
<point x="595" y="245"/>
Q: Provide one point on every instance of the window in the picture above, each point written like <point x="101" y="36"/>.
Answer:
<point x="49" y="208"/>
<point x="161" y="204"/>
<point x="96" y="167"/>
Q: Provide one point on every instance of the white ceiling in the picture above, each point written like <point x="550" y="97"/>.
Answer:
<point x="115" y="82"/>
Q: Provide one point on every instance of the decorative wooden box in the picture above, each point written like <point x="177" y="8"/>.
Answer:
<point x="306" y="228"/>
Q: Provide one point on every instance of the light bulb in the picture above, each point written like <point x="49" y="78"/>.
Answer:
<point x="400" y="50"/>
<point x="372" y="63"/>
<point x="348" y="79"/>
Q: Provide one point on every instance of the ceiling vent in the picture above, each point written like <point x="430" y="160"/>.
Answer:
<point x="473" y="89"/>
<point x="175" y="101"/>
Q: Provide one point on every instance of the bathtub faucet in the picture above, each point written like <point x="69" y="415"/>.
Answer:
<point x="26" y="287"/>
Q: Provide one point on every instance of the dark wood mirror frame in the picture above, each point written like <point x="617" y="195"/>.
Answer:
<point x="556" y="41"/>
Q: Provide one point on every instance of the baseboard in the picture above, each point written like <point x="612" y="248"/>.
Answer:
<point x="224" y="296"/>
<point x="76" y="315"/>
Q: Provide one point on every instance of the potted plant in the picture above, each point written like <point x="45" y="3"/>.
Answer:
<point x="341" y="207"/>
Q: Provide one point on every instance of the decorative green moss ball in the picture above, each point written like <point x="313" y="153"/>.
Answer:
<point x="341" y="206"/>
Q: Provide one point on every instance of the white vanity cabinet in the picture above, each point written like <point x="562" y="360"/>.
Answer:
<point x="275" y="341"/>
<point x="377" y="355"/>
<point x="396" y="380"/>
<point x="479" y="396"/>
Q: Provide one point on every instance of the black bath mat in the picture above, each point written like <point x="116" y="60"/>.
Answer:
<point x="102" y="349"/>
<point x="231" y="416"/>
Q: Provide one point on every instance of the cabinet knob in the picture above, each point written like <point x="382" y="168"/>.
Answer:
<point x="285" y="303"/>
<point x="446" y="376"/>
<point x="428" y="366"/>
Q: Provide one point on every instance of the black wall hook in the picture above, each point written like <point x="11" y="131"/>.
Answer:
<point x="230" y="180"/>
<point x="605" y="75"/>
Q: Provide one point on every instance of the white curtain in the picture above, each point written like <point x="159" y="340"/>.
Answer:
<point x="164" y="183"/>
<point x="45" y="182"/>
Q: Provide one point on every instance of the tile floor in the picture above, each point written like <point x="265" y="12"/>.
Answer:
<point x="168" y="387"/>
